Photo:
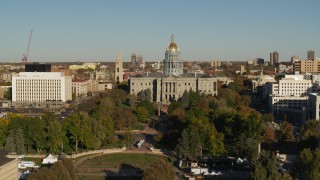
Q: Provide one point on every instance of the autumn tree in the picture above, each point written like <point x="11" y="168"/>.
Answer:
<point x="63" y="169"/>
<point x="268" y="117"/>
<point x="60" y="172"/>
<point x="286" y="132"/>
<point x="177" y="119"/>
<point x="124" y="118"/>
<point x="158" y="171"/>
<point x="269" y="135"/>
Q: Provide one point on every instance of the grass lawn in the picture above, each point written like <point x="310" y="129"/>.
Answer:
<point x="100" y="163"/>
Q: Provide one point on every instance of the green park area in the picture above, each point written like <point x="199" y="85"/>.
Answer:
<point x="102" y="166"/>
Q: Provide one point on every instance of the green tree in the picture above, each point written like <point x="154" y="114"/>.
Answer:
<point x="73" y="125"/>
<point x="10" y="145"/>
<point x="266" y="168"/>
<point x="194" y="98"/>
<point x="148" y="105"/>
<point x="308" y="164"/>
<point x="38" y="133"/>
<point x="128" y="137"/>
<point x="19" y="141"/>
<point x="103" y="115"/>
<point x="189" y="145"/>
<point x="247" y="147"/>
<point x="259" y="172"/>
<point x="145" y="95"/>
<point x="311" y="134"/>
<point x="3" y="132"/>
<point x="238" y="83"/>
<point x="55" y="136"/>
<point x="142" y="114"/>
<point x="184" y="99"/>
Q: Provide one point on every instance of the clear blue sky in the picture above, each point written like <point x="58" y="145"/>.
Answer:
<point x="94" y="30"/>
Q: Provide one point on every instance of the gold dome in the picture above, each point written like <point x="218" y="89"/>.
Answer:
<point x="172" y="46"/>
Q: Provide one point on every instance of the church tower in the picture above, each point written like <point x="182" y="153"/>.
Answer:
<point x="172" y="65"/>
<point x="118" y="71"/>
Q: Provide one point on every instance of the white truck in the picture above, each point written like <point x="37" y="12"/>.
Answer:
<point x="26" y="164"/>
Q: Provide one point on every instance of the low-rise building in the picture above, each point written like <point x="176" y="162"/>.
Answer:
<point x="79" y="87"/>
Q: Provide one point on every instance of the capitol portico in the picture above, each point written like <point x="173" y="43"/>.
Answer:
<point x="172" y="83"/>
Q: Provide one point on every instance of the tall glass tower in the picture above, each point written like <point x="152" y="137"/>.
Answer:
<point x="172" y="65"/>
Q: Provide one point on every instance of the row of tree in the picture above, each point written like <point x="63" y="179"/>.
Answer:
<point x="90" y="127"/>
<point x="206" y="125"/>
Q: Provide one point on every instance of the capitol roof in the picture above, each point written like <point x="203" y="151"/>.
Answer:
<point x="172" y="45"/>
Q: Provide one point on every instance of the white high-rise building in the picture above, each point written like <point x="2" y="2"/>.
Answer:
<point x="289" y="97"/>
<point x="33" y="87"/>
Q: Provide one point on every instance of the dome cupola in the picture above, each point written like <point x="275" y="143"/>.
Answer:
<point x="172" y="45"/>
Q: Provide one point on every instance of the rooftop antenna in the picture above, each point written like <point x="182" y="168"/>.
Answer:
<point x="25" y="55"/>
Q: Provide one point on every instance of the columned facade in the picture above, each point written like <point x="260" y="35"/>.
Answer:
<point x="167" y="89"/>
<point x="172" y="83"/>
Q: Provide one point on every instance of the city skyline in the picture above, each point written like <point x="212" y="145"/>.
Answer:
<point x="206" y="30"/>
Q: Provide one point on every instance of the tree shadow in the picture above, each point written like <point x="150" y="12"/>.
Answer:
<point x="124" y="171"/>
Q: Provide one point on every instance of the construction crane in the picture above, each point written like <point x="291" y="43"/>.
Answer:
<point x="25" y="55"/>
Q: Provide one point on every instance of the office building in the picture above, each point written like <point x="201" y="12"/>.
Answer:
<point x="310" y="55"/>
<point x="37" y="87"/>
<point x="288" y="98"/>
<point x="306" y="66"/>
<point x="37" y="67"/>
<point x="133" y="59"/>
<point x="79" y="88"/>
<point x="274" y="58"/>
<point x="260" y="61"/>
